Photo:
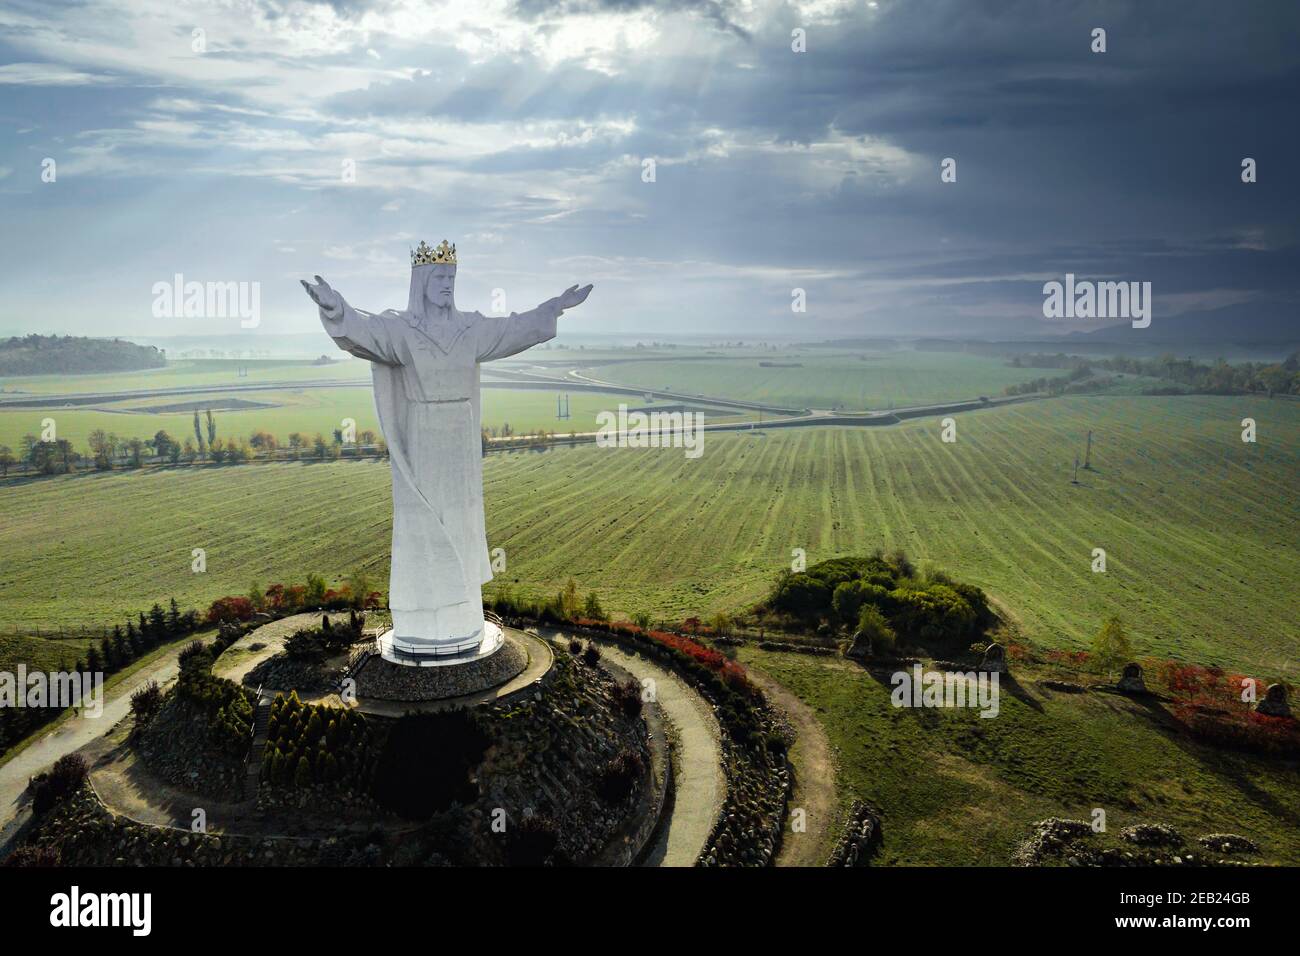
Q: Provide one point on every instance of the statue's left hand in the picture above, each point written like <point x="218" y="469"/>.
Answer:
<point x="572" y="296"/>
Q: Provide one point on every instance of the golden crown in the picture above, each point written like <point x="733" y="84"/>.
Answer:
<point x="422" y="255"/>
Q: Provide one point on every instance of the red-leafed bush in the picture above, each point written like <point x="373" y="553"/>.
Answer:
<point x="229" y="609"/>
<point x="729" y="670"/>
<point x="1208" y="702"/>
<point x="1072" y="658"/>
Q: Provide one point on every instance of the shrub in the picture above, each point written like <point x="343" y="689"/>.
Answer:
<point x="935" y="613"/>
<point x="314" y="593"/>
<point x="230" y="609"/>
<point x="849" y="597"/>
<point x="642" y="620"/>
<point x="194" y="657"/>
<point x="69" y="772"/>
<point x="226" y="707"/>
<point x="591" y="655"/>
<point x="617" y="778"/>
<point x="304" y="645"/>
<point x="591" y="608"/>
<point x="875" y="630"/>
<point x="65" y="777"/>
<point x="29" y="856"/>
<point x="898" y="560"/>
<point x="628" y="698"/>
<point x="145" y="702"/>
<point x="575" y="646"/>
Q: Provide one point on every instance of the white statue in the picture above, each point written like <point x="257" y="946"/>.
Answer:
<point x="425" y="364"/>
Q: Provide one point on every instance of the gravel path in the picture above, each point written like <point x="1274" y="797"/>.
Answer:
<point x="699" y="785"/>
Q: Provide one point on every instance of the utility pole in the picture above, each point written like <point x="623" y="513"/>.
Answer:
<point x="1075" y="479"/>
<point x="1087" y="455"/>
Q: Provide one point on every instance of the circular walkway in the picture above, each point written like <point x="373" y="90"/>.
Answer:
<point x="699" y="784"/>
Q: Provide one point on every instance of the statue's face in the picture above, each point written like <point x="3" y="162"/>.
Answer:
<point x="440" y="286"/>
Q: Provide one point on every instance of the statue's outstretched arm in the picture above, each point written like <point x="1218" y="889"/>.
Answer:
<point x="503" y="336"/>
<point x="360" y="333"/>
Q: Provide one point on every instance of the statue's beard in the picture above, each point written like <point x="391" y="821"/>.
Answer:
<point x="439" y="308"/>
<point x="426" y="300"/>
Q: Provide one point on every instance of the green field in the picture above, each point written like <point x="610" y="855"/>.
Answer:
<point x="191" y="372"/>
<point x="1200" y="529"/>
<point x="850" y="380"/>
<point x="956" y="789"/>
<point x="306" y="410"/>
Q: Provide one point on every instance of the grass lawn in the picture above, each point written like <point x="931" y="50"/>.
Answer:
<point x="958" y="789"/>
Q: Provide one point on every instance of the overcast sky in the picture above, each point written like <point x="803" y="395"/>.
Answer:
<point x="518" y="129"/>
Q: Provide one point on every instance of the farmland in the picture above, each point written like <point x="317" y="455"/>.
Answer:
<point x="193" y="372"/>
<point x="820" y="379"/>
<point x="1199" y="528"/>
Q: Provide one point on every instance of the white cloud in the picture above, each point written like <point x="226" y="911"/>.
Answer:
<point x="48" y="74"/>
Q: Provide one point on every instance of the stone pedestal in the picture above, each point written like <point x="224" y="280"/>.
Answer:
<point x="380" y="679"/>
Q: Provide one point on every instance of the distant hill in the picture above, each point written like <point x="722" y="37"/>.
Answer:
<point x="1272" y="323"/>
<point x="69" y="355"/>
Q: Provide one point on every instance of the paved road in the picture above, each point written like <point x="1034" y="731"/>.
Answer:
<point x="73" y="734"/>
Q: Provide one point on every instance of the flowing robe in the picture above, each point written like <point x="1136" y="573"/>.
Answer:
<point x="426" y="386"/>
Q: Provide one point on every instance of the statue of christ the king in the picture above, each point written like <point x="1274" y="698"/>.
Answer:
<point x="425" y="364"/>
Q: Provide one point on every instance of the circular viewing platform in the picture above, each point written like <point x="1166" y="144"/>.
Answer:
<point x="388" y="689"/>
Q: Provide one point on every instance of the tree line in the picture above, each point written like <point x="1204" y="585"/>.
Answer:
<point x="123" y="646"/>
<point x="107" y="450"/>
<point x="1216" y="378"/>
<point x="68" y="354"/>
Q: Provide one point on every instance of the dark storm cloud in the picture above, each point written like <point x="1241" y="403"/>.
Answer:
<point x="1124" y="164"/>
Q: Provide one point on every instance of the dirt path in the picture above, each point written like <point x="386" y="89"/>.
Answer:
<point x="699" y="786"/>
<point x="814" y="780"/>
<point x="128" y="788"/>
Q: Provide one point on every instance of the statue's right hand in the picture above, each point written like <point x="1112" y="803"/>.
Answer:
<point x="330" y="302"/>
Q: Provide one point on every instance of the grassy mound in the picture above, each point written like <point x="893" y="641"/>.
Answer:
<point x="957" y="789"/>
